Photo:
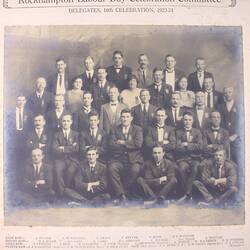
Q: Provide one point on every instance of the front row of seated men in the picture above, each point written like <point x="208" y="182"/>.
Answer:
<point x="181" y="164"/>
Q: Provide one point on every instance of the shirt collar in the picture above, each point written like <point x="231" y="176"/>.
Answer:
<point x="39" y="94"/>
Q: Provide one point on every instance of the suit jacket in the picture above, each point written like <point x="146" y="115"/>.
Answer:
<point x="131" y="151"/>
<point x="138" y="116"/>
<point x="71" y="146"/>
<point x="84" y="176"/>
<point x="153" y="173"/>
<point x="193" y="81"/>
<point x="210" y="170"/>
<point x="100" y="95"/>
<point x="100" y="142"/>
<point x="30" y="178"/>
<point x="170" y="118"/>
<point x="195" y="146"/>
<point x="54" y="124"/>
<point x="217" y="98"/>
<point x="33" y="141"/>
<point x="52" y="83"/>
<point x="144" y="83"/>
<point x="120" y="80"/>
<point x="222" y="139"/>
<point x="161" y="99"/>
<point x="87" y="83"/>
<point x="81" y="120"/>
<point x="231" y="120"/>
<point x="178" y="75"/>
<point x="206" y="120"/>
<point x="109" y="120"/>
<point x="40" y="105"/>
<point x="169" y="135"/>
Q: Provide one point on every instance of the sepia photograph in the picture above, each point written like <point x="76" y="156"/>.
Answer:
<point x="123" y="125"/>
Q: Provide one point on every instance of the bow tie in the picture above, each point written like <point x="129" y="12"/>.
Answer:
<point x="215" y="129"/>
<point x="188" y="130"/>
<point x="158" y="126"/>
<point x="113" y="104"/>
<point x="198" y="108"/>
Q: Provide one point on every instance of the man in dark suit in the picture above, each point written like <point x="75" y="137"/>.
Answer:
<point x="212" y="97"/>
<point x="215" y="136"/>
<point x="80" y="117"/>
<point x="161" y="134"/>
<point x="159" y="179"/>
<point x="39" y="137"/>
<point x="201" y="113"/>
<point x="111" y="111"/>
<point x="231" y="114"/>
<point x="219" y="180"/>
<point x="143" y="73"/>
<point x="94" y="136"/>
<point x="54" y="116"/>
<point x="40" y="101"/>
<point x="144" y="113"/>
<point x="65" y="148"/>
<point x="58" y="83"/>
<point x="37" y="186"/>
<point x="175" y="112"/>
<point x="188" y="153"/>
<point x="126" y="159"/>
<point x="89" y="76"/>
<point x="196" y="79"/>
<point x="171" y="74"/>
<point x="91" y="179"/>
<point x="100" y="90"/>
<point x="118" y="73"/>
<point x="160" y="92"/>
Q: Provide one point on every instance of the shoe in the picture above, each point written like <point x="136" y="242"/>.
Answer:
<point x="203" y="204"/>
<point x="183" y="199"/>
<point x="74" y="204"/>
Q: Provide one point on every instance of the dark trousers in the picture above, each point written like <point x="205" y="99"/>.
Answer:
<point x="123" y="177"/>
<point x="64" y="174"/>
<point x="209" y="193"/>
<point x="153" y="191"/>
<point x="187" y="170"/>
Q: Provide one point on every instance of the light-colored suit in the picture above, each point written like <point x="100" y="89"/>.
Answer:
<point x="144" y="83"/>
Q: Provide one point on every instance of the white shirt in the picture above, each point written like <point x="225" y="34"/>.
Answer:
<point x="158" y="86"/>
<point x="220" y="171"/>
<point x="170" y="78"/>
<point x="59" y="113"/>
<point x="200" y="76"/>
<point x="145" y="105"/>
<point x="90" y="72"/>
<point x="200" y="113"/>
<point x="211" y="98"/>
<point x="229" y="105"/>
<point x="113" y="107"/>
<point x="66" y="133"/>
<point x="215" y="132"/>
<point x="37" y="167"/>
<point x="160" y="134"/>
<point x="60" y="88"/>
<point x="93" y="132"/>
<point x="173" y="112"/>
<point x="39" y="95"/>
<point x="125" y="131"/>
<point x="39" y="132"/>
<point x="19" y="126"/>
<point x="102" y="84"/>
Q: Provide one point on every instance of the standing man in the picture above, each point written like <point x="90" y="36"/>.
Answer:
<point x="161" y="134"/>
<point x="126" y="160"/>
<point x="81" y="116"/>
<point x="40" y="101"/>
<point x="118" y="73"/>
<point x="171" y="74"/>
<point x="201" y="113"/>
<point x="89" y="76"/>
<point x="111" y="112"/>
<point x="159" y="179"/>
<point x="144" y="113"/>
<point x="65" y="149"/>
<point x="189" y="149"/>
<point x="219" y="180"/>
<point x="58" y="83"/>
<point x="212" y="97"/>
<point x="100" y="90"/>
<point x="143" y="73"/>
<point x="196" y="79"/>
<point x="159" y="91"/>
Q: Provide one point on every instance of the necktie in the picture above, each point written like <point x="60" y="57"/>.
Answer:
<point x="209" y="100"/>
<point x="175" y="116"/>
<point x="92" y="133"/>
<point x="39" y="133"/>
<point x="60" y="80"/>
<point x="144" y="115"/>
<point x="36" y="172"/>
<point x="144" y="76"/>
<point x="89" y="76"/>
<point x="220" y="169"/>
<point x="20" y="119"/>
<point x="92" y="169"/>
<point x="66" y="136"/>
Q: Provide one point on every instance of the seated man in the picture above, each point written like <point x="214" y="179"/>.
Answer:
<point x="189" y="147"/>
<point x="215" y="136"/>
<point x="65" y="148"/>
<point x="94" y="136"/>
<point x="126" y="159"/>
<point x="39" y="137"/>
<point x="37" y="181"/>
<point x="159" y="177"/>
<point x="91" y="179"/>
<point x="219" y="179"/>
<point x="161" y="134"/>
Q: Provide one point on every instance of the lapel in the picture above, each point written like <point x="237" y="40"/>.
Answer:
<point x="118" y="111"/>
<point x="211" y="136"/>
<point x="109" y="112"/>
<point x="156" y="170"/>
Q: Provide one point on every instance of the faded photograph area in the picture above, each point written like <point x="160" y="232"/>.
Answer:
<point x="123" y="126"/>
